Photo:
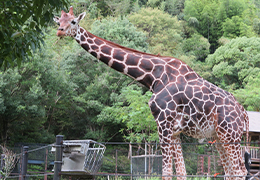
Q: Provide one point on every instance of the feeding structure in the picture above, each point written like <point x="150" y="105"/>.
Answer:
<point x="81" y="157"/>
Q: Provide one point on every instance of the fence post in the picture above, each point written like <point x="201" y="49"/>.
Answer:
<point x="116" y="165"/>
<point x="2" y="164"/>
<point x="145" y="162"/>
<point x="131" y="154"/>
<point x="58" y="157"/>
<point x="24" y="162"/>
<point x="46" y="164"/>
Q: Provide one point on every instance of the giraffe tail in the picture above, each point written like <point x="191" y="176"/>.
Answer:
<point x="247" y="155"/>
<point x="246" y="118"/>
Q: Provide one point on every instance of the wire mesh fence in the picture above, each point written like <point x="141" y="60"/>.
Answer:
<point x="136" y="161"/>
<point x="40" y="161"/>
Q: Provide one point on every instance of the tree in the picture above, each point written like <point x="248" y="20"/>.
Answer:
<point x="121" y="31"/>
<point x="131" y="107"/>
<point x="231" y="27"/>
<point x="163" y="31"/>
<point x="21" y="24"/>
<point x="197" y="45"/>
<point x="22" y="114"/>
<point x="221" y="18"/>
<point x="119" y="7"/>
<point x="35" y="100"/>
<point x="173" y="7"/>
<point x="249" y="96"/>
<point x="204" y="12"/>
<point x="233" y="63"/>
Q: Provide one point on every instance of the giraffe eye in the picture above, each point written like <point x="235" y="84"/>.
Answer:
<point x="73" y="22"/>
<point x="58" y="23"/>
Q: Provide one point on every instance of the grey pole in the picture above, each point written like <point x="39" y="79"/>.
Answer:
<point x="24" y="162"/>
<point x="131" y="162"/>
<point x="58" y="157"/>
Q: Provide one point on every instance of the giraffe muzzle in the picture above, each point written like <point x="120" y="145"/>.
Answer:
<point x="60" y="32"/>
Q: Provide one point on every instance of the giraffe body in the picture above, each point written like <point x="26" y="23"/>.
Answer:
<point x="182" y="101"/>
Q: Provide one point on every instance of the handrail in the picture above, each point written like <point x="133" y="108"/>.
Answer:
<point x="254" y="151"/>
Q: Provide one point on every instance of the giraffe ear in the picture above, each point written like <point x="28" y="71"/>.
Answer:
<point x="81" y="16"/>
<point x="56" y="19"/>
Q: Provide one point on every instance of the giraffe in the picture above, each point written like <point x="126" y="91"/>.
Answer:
<point x="182" y="101"/>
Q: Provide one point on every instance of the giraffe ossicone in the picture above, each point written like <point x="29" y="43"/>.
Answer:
<point x="182" y="101"/>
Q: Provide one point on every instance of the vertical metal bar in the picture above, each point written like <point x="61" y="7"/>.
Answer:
<point x="202" y="164"/>
<point x="58" y="157"/>
<point x="209" y="164"/>
<point x="131" y="164"/>
<point x="24" y="162"/>
<point x="46" y="164"/>
<point x="116" y="163"/>
<point x="2" y="164"/>
<point x="145" y="161"/>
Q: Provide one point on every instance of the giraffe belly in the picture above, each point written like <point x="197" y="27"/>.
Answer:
<point x="200" y="134"/>
<point x="199" y="128"/>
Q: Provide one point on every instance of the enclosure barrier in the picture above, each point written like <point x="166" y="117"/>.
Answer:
<point x="145" y="160"/>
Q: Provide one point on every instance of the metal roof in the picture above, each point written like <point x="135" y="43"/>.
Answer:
<point x="254" y="121"/>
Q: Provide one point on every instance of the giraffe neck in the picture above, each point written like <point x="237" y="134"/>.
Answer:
<point x="128" y="61"/>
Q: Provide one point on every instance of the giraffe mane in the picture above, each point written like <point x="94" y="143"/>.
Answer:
<point x="131" y="49"/>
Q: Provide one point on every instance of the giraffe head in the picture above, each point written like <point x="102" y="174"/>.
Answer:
<point x="68" y="23"/>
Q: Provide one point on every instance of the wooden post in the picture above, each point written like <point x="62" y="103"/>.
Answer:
<point x="24" y="162"/>
<point x="58" y="157"/>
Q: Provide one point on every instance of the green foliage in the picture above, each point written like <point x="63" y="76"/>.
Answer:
<point x="256" y="25"/>
<point x="204" y="12"/>
<point x="131" y="107"/>
<point x="249" y="96"/>
<point x="119" y="7"/>
<point x="90" y="6"/>
<point x="21" y="24"/>
<point x="164" y="32"/>
<point x="214" y="19"/>
<point x="235" y="62"/>
<point x="173" y="7"/>
<point x="197" y="45"/>
<point x="229" y="8"/>
<point x="121" y="31"/>
<point x="231" y="27"/>
<point x="21" y="111"/>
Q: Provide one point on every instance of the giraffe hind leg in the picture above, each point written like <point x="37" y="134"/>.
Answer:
<point x="224" y="158"/>
<point x="232" y="162"/>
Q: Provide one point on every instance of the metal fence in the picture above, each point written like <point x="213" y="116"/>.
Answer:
<point x="133" y="161"/>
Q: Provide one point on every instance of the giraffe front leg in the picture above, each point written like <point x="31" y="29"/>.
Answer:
<point x="178" y="158"/>
<point x="171" y="149"/>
